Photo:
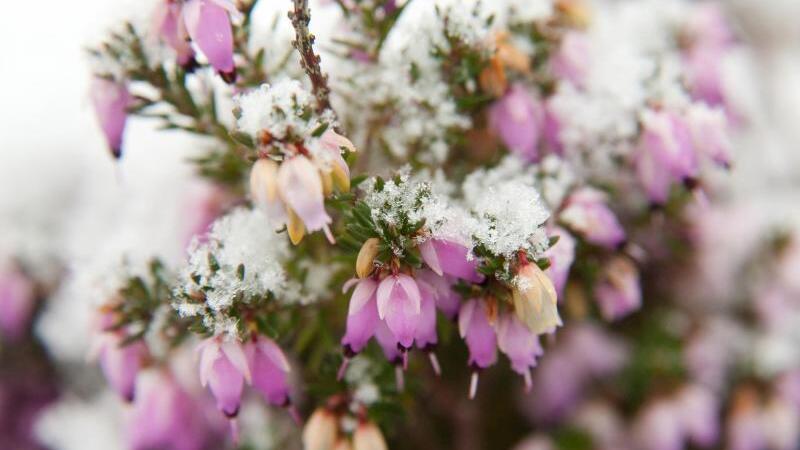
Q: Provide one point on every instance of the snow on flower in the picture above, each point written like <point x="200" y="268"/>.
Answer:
<point x="240" y="262"/>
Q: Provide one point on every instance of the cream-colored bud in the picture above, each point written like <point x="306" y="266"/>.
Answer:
<point x="321" y="431"/>
<point x="343" y="444"/>
<point x="340" y="178"/>
<point x="368" y="437"/>
<point x="264" y="182"/>
<point x="327" y="183"/>
<point x="535" y="300"/>
<point x="295" y="227"/>
<point x="366" y="257"/>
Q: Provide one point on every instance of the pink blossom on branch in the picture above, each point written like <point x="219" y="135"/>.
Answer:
<point x="111" y="100"/>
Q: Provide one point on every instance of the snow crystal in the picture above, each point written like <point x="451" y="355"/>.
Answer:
<point x="242" y="260"/>
<point x="282" y="109"/>
<point x="508" y="210"/>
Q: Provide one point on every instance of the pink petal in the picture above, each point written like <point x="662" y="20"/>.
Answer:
<point x="226" y="384"/>
<point x="361" y="327"/>
<point x="364" y="291"/>
<point x="301" y="188"/>
<point x="430" y="257"/>
<point x="209" y="26"/>
<point x="235" y="354"/>
<point x="209" y="352"/>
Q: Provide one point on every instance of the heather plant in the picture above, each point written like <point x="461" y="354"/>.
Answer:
<point x="433" y="183"/>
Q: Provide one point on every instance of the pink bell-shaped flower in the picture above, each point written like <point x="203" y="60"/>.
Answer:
<point x="447" y="300"/>
<point x="669" y="139"/>
<point x="362" y="317"/>
<point x="111" y="100"/>
<point x="425" y="337"/>
<point x="399" y="304"/>
<point x="561" y="256"/>
<point x="120" y="363"/>
<point x="551" y="129"/>
<point x="224" y="369"/>
<point x="517" y="117"/>
<point x="571" y="61"/>
<point x="269" y="369"/>
<point x="710" y="134"/>
<point x="164" y="416"/>
<point x="445" y="256"/>
<point x="658" y="427"/>
<point x="392" y="351"/>
<point x="208" y="23"/>
<point x="699" y="412"/>
<point x="588" y="214"/>
<point x="478" y="333"/>
<point x="710" y="38"/>
<point x="519" y="344"/>
<point x="651" y="174"/>
<point x="169" y="23"/>
<point x="301" y="188"/>
<point x="17" y="301"/>
<point x="619" y="293"/>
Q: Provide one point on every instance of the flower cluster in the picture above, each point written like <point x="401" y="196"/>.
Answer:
<point x="420" y="247"/>
<point x="300" y="156"/>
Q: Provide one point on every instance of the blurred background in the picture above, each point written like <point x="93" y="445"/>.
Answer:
<point x="67" y="209"/>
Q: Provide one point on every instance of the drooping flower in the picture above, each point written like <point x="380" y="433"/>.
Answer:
<point x="561" y="256"/>
<point x="667" y="136"/>
<point x="709" y="40"/>
<point x="571" y="61"/>
<point x="425" y="337"/>
<point x="698" y="410"/>
<point x="171" y="28"/>
<point x="658" y="427"/>
<point x="368" y="436"/>
<point x="224" y="369"/>
<point x="399" y="304"/>
<point x="588" y="214"/>
<point x="520" y="345"/>
<point x="320" y="431"/>
<point x="362" y="317"/>
<point x="619" y="293"/>
<point x="535" y="300"/>
<point x="446" y="298"/>
<point x="269" y="369"/>
<point x="17" y="301"/>
<point x="445" y="256"/>
<point x="517" y="117"/>
<point x="300" y="188"/>
<point x="478" y="333"/>
<point x="111" y="100"/>
<point x="710" y="134"/>
<point x="165" y="416"/>
<point x="208" y="23"/>
<point x="120" y="363"/>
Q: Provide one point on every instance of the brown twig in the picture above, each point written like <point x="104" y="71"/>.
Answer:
<point x="303" y="42"/>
